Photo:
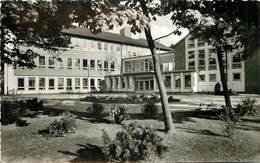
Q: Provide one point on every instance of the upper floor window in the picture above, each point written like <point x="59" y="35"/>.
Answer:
<point x="85" y="44"/>
<point x="20" y="83"/>
<point x="69" y="63"/>
<point x="212" y="59"/>
<point x="150" y="65"/>
<point x="99" y="45"/>
<point x="112" y="66"/>
<point x="105" y="65"/>
<point x="191" y="43"/>
<point x="60" y="83"/>
<point x="61" y="64"/>
<point x="92" y="44"/>
<point x="201" y="42"/>
<point x="42" y="83"/>
<point x="236" y="61"/>
<point x="31" y="83"/>
<point x="99" y="64"/>
<point x="77" y="63"/>
<point x="41" y="61"/>
<point x="51" y="84"/>
<point x="105" y="46"/>
<point x="51" y="62"/>
<point x="236" y="77"/>
<point x="201" y="60"/>
<point x="191" y="59"/>
<point x="92" y="64"/>
<point x="202" y="78"/>
<point x="212" y="77"/>
<point x="85" y="64"/>
<point x="146" y="65"/>
<point x="77" y="42"/>
<point x="118" y="47"/>
<point x="111" y="47"/>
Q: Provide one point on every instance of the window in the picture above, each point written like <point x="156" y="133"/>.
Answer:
<point x="77" y="63"/>
<point x="200" y="42"/>
<point x="31" y="83"/>
<point x="187" y="81"/>
<point x="20" y="83"/>
<point x="41" y="61"/>
<point x="236" y="77"/>
<point x="167" y="81"/>
<point x="92" y="44"/>
<point x="42" y="83"/>
<point x="105" y="46"/>
<point x="60" y="83"/>
<point x="69" y="63"/>
<point x="98" y="83"/>
<point x="85" y="83"/>
<point x="146" y="85"/>
<point x="236" y="61"/>
<point x="150" y="65"/>
<point x="92" y="64"/>
<point x="118" y="48"/>
<point x="105" y="65"/>
<point x="77" y="83"/>
<point x="212" y="77"/>
<point x="99" y="64"/>
<point x="51" y="84"/>
<point x="111" y="83"/>
<point x="191" y="59"/>
<point x="117" y="83"/>
<point x="51" y="62"/>
<point x="99" y="45"/>
<point x="112" y="66"/>
<point x="141" y="85"/>
<point x="128" y="66"/>
<point x="77" y="42"/>
<point x="60" y="64"/>
<point x="202" y="78"/>
<point x="92" y="84"/>
<point x="85" y="44"/>
<point x="123" y="82"/>
<point x="85" y="64"/>
<point x="212" y="59"/>
<point x="177" y="81"/>
<point x="69" y="84"/>
<point x="201" y="60"/>
<point x="191" y="43"/>
<point x="151" y="85"/>
<point x="146" y="65"/>
<point x="111" y="47"/>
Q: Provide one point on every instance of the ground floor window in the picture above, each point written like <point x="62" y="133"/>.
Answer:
<point x="60" y="83"/>
<point x="187" y="79"/>
<point x="236" y="77"/>
<point x="177" y="79"/>
<point x="51" y="84"/>
<point x="144" y="83"/>
<point x="42" y="83"/>
<point x="98" y="83"/>
<point x="117" y="83"/>
<point x="77" y="83"/>
<point x="31" y="83"/>
<point x="123" y="82"/>
<point x="69" y="84"/>
<point x="92" y="84"/>
<point x="111" y="82"/>
<point x="212" y="77"/>
<point x="85" y="83"/>
<point x="167" y="81"/>
<point x="20" y="83"/>
<point x="202" y="78"/>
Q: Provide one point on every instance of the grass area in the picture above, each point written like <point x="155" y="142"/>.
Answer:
<point x="198" y="138"/>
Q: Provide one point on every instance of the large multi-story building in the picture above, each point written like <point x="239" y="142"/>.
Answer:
<point x="79" y="69"/>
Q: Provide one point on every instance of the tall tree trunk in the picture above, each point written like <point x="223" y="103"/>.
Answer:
<point x="1" y="59"/>
<point x="224" y="82"/>
<point x="169" y="128"/>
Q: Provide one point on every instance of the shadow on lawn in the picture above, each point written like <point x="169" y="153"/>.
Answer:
<point x="200" y="131"/>
<point x="88" y="153"/>
<point x="248" y="128"/>
<point x="182" y="116"/>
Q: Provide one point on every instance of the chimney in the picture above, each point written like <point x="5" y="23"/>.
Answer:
<point x="126" y="31"/>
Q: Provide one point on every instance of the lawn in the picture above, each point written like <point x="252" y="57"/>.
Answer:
<point x="199" y="137"/>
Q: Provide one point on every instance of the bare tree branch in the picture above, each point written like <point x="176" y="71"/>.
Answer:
<point x="167" y="34"/>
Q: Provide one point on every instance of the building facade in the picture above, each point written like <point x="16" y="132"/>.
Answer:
<point x="79" y="69"/>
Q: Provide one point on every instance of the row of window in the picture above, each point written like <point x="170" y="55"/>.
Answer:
<point x="236" y="60"/>
<point x="145" y="65"/>
<point x="191" y="42"/>
<point x="59" y="84"/>
<point x="213" y="77"/>
<point x="177" y="81"/>
<point x="76" y="63"/>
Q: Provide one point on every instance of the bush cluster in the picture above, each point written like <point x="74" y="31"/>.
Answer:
<point x="60" y="128"/>
<point x="132" y="99"/>
<point x="118" y="113"/>
<point x="150" y="110"/>
<point x="96" y="110"/>
<point x="133" y="143"/>
<point x="246" y="107"/>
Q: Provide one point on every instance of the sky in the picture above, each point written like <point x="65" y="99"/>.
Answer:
<point x="161" y="27"/>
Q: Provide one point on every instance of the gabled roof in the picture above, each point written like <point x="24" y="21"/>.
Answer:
<point x="112" y="37"/>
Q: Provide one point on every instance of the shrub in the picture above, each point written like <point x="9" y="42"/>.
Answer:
<point x="21" y="123"/>
<point x="34" y="104"/>
<point x="118" y="113"/>
<point x="103" y="86"/>
<point x="217" y="89"/>
<point x="150" y="110"/>
<point x="133" y="143"/>
<point x="60" y="128"/>
<point x="246" y="107"/>
<point x="96" y="110"/>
